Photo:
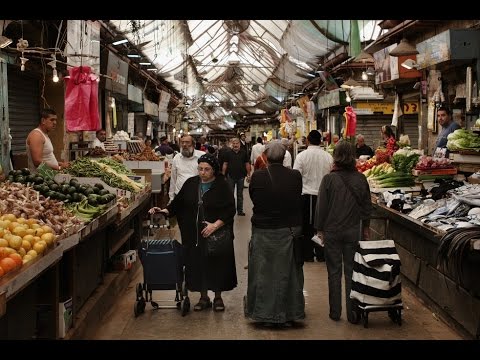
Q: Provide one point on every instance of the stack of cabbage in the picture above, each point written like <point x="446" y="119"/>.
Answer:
<point x="462" y="139"/>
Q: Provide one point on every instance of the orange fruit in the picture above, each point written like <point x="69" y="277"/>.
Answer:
<point x="10" y="217"/>
<point x="49" y="238"/>
<point x="39" y="232"/>
<point x="47" y="229"/>
<point x="32" y="221"/>
<point x="8" y="264"/>
<point x="17" y="258"/>
<point x="40" y="247"/>
<point x="26" y="244"/>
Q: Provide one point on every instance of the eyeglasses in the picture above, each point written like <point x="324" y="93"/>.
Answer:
<point x="207" y="169"/>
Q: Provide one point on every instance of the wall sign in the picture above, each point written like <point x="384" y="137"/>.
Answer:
<point x="385" y="108"/>
<point x="117" y="70"/>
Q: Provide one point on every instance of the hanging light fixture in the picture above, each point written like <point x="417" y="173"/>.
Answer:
<point x="4" y="41"/>
<point x="23" y="61"/>
<point x="349" y="84"/>
<point x="348" y="98"/>
<point x="370" y="71"/>
<point x="364" y="57"/>
<point x="410" y="64"/>
<point x="364" y="75"/>
<point x="53" y="64"/>
<point x="404" y="49"/>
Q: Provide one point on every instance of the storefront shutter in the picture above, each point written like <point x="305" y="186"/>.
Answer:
<point x="23" y="106"/>
<point x="370" y="127"/>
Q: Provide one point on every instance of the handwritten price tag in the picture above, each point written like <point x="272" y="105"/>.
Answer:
<point x="121" y="192"/>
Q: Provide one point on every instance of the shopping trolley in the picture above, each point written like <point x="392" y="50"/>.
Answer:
<point x="163" y="269"/>
<point x="376" y="284"/>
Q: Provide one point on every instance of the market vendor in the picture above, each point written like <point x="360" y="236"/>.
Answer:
<point x="444" y="118"/>
<point x="389" y="140"/>
<point x="39" y="145"/>
<point x="362" y="148"/>
<point x="100" y="139"/>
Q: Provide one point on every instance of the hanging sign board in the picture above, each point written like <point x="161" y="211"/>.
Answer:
<point x="135" y="94"/>
<point x="149" y="128"/>
<point x="163" y="117"/>
<point x="330" y="99"/>
<point x="164" y="100"/>
<point x="150" y="108"/>
<point x="385" y="108"/>
<point x="131" y="124"/>
<point x="117" y="70"/>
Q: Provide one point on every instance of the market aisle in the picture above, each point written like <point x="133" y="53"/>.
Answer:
<point x="120" y="322"/>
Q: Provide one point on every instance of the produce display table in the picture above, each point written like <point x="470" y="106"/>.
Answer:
<point x="417" y="244"/>
<point x="73" y="269"/>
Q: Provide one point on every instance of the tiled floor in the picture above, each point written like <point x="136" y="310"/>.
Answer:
<point x="120" y="323"/>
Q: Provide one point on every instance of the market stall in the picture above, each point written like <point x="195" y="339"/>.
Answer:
<point x="71" y="232"/>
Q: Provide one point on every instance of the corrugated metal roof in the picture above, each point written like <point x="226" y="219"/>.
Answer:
<point x="238" y="64"/>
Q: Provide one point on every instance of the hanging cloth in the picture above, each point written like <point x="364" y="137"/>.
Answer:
<point x="81" y="100"/>
<point x="350" y="122"/>
<point x="397" y="111"/>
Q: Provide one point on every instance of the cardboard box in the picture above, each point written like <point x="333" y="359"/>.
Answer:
<point x="147" y="173"/>
<point x="125" y="261"/>
<point x="65" y="317"/>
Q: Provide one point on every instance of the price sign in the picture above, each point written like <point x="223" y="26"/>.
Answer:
<point x="59" y="178"/>
<point x="121" y="192"/>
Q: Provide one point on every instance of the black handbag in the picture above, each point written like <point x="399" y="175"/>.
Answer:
<point x="218" y="243"/>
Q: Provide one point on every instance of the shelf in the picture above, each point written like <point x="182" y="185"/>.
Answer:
<point x="118" y="244"/>
<point x="15" y="281"/>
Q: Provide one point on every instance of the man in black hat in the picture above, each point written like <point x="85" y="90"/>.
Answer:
<point x="313" y="163"/>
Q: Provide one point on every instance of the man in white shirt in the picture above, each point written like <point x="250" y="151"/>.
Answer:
<point x="257" y="150"/>
<point x="184" y="165"/>
<point x="100" y="139"/>
<point x="313" y="163"/>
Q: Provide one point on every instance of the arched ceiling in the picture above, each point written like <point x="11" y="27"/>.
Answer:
<point x="244" y="66"/>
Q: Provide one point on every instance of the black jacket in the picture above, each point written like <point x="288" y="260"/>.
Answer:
<point x="337" y="207"/>
<point x="278" y="203"/>
<point x="218" y="203"/>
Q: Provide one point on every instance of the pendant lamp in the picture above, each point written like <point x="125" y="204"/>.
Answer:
<point x="349" y="84"/>
<point x="403" y="49"/>
<point x="364" y="57"/>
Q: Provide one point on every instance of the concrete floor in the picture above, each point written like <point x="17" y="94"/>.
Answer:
<point x="419" y="323"/>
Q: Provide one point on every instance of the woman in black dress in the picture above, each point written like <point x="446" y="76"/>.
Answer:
<point x="203" y="273"/>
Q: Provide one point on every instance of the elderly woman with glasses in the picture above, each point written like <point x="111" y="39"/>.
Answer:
<point x="204" y="273"/>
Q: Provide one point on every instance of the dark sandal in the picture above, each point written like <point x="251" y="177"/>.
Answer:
<point x="202" y="304"/>
<point x="218" y="304"/>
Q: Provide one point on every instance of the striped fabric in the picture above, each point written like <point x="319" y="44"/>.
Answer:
<point x="376" y="274"/>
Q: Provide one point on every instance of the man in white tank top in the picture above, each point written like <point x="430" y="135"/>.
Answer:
<point x="39" y="146"/>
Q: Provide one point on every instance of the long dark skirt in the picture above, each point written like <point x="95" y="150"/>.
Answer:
<point x="209" y="273"/>
<point x="275" y="281"/>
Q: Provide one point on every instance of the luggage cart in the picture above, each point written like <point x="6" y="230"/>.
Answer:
<point x="163" y="269"/>
<point x="376" y="284"/>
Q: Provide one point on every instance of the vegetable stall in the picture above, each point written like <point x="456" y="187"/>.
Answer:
<point x="62" y="238"/>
